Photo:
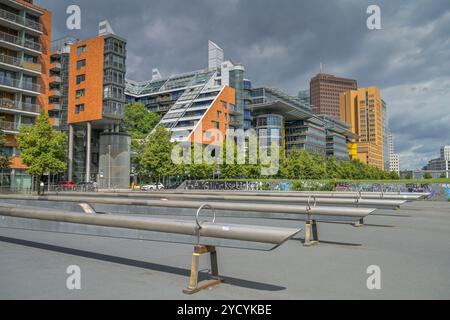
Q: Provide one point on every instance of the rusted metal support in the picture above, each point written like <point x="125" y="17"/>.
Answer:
<point x="196" y="286"/>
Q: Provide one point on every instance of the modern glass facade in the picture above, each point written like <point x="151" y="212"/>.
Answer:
<point x="270" y="129"/>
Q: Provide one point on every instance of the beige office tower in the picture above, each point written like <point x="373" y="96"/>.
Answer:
<point x="362" y="109"/>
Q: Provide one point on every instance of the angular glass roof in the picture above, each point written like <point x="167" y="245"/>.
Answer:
<point x="168" y="84"/>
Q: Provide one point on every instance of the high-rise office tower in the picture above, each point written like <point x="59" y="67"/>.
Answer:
<point x="362" y="109"/>
<point x="324" y="93"/>
<point x="25" y="31"/>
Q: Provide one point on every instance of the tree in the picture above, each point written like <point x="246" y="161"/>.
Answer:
<point x="138" y="122"/>
<point x="394" y="175"/>
<point x="5" y="160"/>
<point x="156" y="159"/>
<point x="43" y="149"/>
<point x="427" y="175"/>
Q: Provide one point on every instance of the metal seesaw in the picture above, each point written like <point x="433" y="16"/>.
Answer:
<point x="32" y="218"/>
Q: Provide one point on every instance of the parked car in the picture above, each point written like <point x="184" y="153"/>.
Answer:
<point x="152" y="186"/>
<point x="68" y="185"/>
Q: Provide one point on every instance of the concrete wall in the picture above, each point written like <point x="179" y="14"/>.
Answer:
<point x="114" y="159"/>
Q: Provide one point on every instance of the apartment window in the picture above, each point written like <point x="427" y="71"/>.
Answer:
<point x="81" y="63"/>
<point x="224" y="104"/>
<point x="81" y="78"/>
<point x="216" y="124"/>
<point x="80" y="93"/>
<point x="219" y="114"/>
<point x="81" y="49"/>
<point x="79" y="108"/>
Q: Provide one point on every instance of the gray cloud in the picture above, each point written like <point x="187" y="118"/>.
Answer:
<point x="282" y="43"/>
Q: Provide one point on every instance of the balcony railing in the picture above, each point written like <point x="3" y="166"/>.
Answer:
<point x="12" y="82"/>
<point x="31" y="86"/>
<point x="6" y="15"/>
<point x="10" y="60"/>
<point x="111" y="111"/>
<point x="55" y="79"/>
<point x="55" y="92"/>
<point x="17" y="105"/>
<point x="16" y="40"/>
<point x="32" y="45"/>
<point x="9" y="38"/>
<point x="11" y="126"/>
<point x="32" y="66"/>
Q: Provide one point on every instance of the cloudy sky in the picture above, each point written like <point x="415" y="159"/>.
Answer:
<point x="283" y="42"/>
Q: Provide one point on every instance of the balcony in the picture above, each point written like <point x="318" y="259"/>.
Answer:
<point x="110" y="111"/>
<point x="55" y="79"/>
<point x="30" y="86"/>
<point x="32" y="45"/>
<point x="9" y="82"/>
<point x="54" y="105"/>
<point x="12" y="39"/>
<point x="11" y="126"/>
<point x="19" y="106"/>
<point x="54" y="93"/>
<point x="14" y="18"/>
<point x="10" y="60"/>
<point x="32" y="66"/>
<point x="55" y="66"/>
<point x="16" y="62"/>
<point x="14" y="83"/>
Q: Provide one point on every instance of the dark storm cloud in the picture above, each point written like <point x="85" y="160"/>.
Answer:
<point x="283" y="42"/>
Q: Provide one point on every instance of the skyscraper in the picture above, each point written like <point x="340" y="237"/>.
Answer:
<point x="324" y="93"/>
<point x="362" y="109"/>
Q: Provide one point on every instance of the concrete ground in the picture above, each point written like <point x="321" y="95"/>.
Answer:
<point x="411" y="246"/>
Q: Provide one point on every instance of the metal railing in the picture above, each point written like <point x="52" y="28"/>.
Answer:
<point x="32" y="45"/>
<point x="17" y="41"/>
<point x="31" y="86"/>
<point x="17" y="105"/>
<point x="10" y="60"/>
<point x="12" y="82"/>
<point x="111" y="111"/>
<point x="32" y="66"/>
<point x="10" y="38"/>
<point x="6" y="15"/>
<point x="9" y="126"/>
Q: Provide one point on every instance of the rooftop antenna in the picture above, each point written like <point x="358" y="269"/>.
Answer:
<point x="321" y="68"/>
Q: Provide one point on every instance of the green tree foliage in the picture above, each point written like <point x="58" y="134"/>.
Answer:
<point x="156" y="158"/>
<point x="394" y="175"/>
<point x="427" y="175"/>
<point x="138" y="122"/>
<point x="302" y="165"/>
<point x="43" y="149"/>
<point x="5" y="160"/>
